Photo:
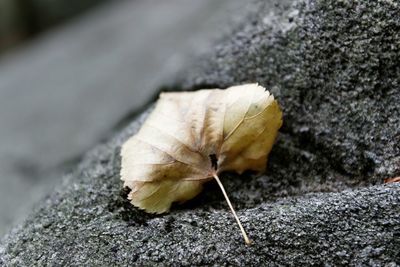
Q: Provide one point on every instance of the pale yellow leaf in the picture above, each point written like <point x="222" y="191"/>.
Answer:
<point x="170" y="158"/>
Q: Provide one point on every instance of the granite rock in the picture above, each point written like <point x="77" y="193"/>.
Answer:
<point x="334" y="67"/>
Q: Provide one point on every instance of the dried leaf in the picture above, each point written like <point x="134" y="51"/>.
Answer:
<point x="191" y="137"/>
<point x="392" y="180"/>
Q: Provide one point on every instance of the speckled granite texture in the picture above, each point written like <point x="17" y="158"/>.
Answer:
<point x="334" y="67"/>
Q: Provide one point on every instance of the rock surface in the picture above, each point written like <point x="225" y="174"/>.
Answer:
<point x="334" y="66"/>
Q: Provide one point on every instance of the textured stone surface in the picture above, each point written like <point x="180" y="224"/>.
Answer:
<point x="334" y="67"/>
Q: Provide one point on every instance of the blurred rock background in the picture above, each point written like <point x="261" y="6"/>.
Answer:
<point x="67" y="80"/>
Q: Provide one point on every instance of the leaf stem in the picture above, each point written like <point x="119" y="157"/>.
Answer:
<point x="246" y="239"/>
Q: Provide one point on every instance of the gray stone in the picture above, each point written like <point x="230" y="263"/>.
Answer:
<point x="335" y="68"/>
<point x="333" y="65"/>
